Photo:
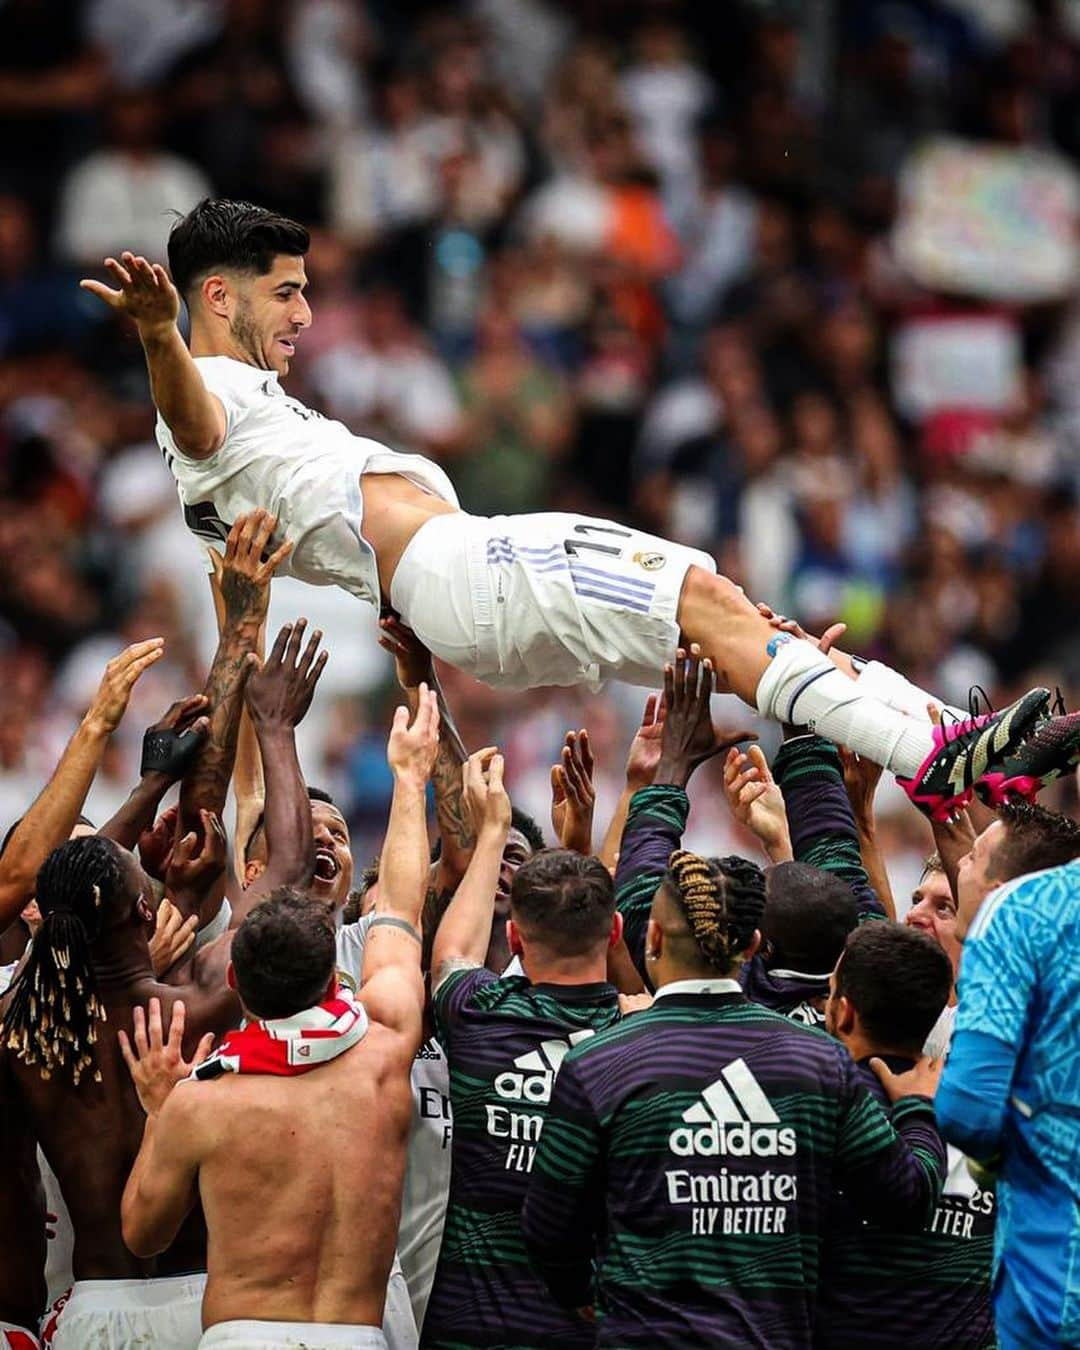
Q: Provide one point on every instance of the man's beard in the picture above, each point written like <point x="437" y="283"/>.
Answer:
<point x="244" y="333"/>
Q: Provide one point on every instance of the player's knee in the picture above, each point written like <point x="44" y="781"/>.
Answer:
<point x="707" y="593"/>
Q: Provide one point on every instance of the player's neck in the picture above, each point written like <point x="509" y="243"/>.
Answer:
<point x="566" y="970"/>
<point x="862" y="1047"/>
<point x="122" y="958"/>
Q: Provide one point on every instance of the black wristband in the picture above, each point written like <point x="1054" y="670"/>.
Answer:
<point x="168" y="752"/>
<point x="391" y="922"/>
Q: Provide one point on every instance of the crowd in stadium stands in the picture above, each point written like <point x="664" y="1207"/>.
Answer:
<point x="660" y="261"/>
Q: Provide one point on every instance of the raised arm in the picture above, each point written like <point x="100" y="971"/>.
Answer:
<point x="145" y="294"/>
<point x="50" y="820"/>
<point x="756" y="801"/>
<point x="278" y="696"/>
<point x="392" y="985"/>
<point x="641" y="762"/>
<point x="861" y="777"/>
<point x="657" y="815"/>
<point x="245" y="587"/>
<point x="823" y="831"/>
<point x="464" y="932"/>
<point x="413" y="666"/>
<point x="169" y="747"/>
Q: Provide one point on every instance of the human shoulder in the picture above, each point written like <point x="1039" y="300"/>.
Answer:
<point x="1036" y="901"/>
<point x="225" y="375"/>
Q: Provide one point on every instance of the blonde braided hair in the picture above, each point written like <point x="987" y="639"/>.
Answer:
<point x="723" y="900"/>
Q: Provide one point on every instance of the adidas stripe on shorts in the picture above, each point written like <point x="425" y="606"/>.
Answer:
<point x="553" y="599"/>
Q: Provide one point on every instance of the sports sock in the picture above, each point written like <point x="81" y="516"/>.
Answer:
<point x="804" y="688"/>
<point x="888" y="685"/>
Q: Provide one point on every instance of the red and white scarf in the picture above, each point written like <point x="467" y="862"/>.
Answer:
<point x="289" y="1045"/>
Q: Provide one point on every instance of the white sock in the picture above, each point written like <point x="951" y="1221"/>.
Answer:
<point x="804" y="688"/>
<point x="888" y="685"/>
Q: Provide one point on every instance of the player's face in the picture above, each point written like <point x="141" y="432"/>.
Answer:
<point x="974" y="881"/>
<point x="516" y="852"/>
<point x="271" y="313"/>
<point x="332" y="881"/>
<point x="933" y="912"/>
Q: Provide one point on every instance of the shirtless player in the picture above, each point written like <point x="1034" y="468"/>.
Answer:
<point x="286" y="1156"/>
<point x="518" y="601"/>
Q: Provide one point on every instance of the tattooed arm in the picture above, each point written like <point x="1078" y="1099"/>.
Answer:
<point x="413" y="666"/>
<point x="245" y="588"/>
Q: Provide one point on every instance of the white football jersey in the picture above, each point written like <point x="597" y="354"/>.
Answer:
<point x="297" y="464"/>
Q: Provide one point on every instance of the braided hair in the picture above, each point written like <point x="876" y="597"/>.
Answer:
<point x="52" y="1016"/>
<point x="723" y="900"/>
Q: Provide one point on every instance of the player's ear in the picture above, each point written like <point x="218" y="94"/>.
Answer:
<point x="844" y="1016"/>
<point x="751" y="948"/>
<point x="513" y="939"/>
<point x="615" y="936"/>
<point x="216" y="294"/>
<point x="654" y="940"/>
<point x="230" y="976"/>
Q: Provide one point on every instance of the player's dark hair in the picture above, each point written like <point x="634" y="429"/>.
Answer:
<point x="563" y="901"/>
<point x="284" y="954"/>
<point x="1034" y="839"/>
<point x="808" y="914"/>
<point x="315" y="794"/>
<point x="234" y="235"/>
<point x="723" y="900"/>
<point x="54" y="1009"/>
<point x="524" y="824"/>
<point x="898" y="980"/>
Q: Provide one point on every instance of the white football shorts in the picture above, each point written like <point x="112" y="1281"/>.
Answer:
<point x="555" y="599"/>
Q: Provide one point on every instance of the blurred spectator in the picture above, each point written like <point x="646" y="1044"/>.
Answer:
<point x="128" y="194"/>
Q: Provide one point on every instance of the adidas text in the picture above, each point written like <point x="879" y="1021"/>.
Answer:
<point x="741" y="1140"/>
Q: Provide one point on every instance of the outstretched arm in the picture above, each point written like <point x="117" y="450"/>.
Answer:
<point x="52" y="817"/>
<point x="195" y="417"/>
<point x="392" y="986"/>
<point x="641" y="762"/>
<point x="861" y="777"/>
<point x="464" y="931"/>
<point x="245" y="587"/>
<point x="413" y="666"/>
<point x="278" y="696"/>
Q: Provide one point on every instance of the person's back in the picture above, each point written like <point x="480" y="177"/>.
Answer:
<point x="505" y="1040"/>
<point x="884" y="1286"/>
<point x="697" y="1145"/>
<point x="303" y="1231"/>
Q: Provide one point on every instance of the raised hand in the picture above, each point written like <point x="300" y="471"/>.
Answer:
<point x="783" y="624"/>
<point x="171" y="744"/>
<point x="155" y="844"/>
<point x="756" y="800"/>
<point x="573" y="795"/>
<point x="689" y="737"/>
<point x="921" y="1080"/>
<point x="280" y="693"/>
<point x="156" y="1065"/>
<point x="245" y="576"/>
<point x="861" y="777"/>
<point x="413" y="746"/>
<point x="412" y="660"/>
<point x="194" y="867"/>
<point x="173" y="936"/>
<point x="111" y="700"/>
<point x="486" y="799"/>
<point x="644" y="753"/>
<point x="145" y="292"/>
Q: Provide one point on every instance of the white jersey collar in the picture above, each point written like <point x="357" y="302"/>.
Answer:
<point x="718" y="986"/>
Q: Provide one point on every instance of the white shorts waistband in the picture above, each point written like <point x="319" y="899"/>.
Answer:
<point x="317" y="1335"/>
<point x="156" y="1293"/>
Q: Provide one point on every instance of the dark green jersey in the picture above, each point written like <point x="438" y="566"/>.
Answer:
<point x="505" y="1040"/>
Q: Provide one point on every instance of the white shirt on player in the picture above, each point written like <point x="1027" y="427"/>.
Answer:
<point x="302" y="467"/>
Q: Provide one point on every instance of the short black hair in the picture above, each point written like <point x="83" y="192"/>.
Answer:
<point x="284" y="954"/>
<point x="236" y="235"/>
<point x="522" y="822"/>
<point x="808" y="914"/>
<point x="898" y="980"/>
<point x="1034" y="840"/>
<point x="563" y="901"/>
<point x="315" y="794"/>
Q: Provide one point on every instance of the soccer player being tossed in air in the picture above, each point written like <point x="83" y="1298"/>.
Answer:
<point x="517" y="601"/>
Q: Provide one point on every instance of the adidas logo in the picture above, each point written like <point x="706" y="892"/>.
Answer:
<point x="533" y="1074"/>
<point x="733" y="1117"/>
